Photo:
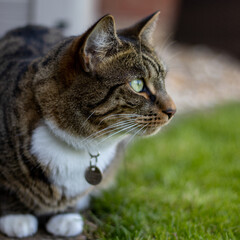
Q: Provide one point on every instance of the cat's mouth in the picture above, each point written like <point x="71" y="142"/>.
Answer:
<point x="150" y="125"/>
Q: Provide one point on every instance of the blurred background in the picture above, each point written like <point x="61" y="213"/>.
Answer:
<point x="212" y="22"/>
<point x="203" y="61"/>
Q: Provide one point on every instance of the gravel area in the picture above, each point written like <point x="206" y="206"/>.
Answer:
<point x="199" y="77"/>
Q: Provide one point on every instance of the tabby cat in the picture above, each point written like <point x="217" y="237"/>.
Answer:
<point x="68" y="107"/>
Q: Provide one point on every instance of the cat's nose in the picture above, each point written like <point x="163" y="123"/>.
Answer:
<point x="170" y="112"/>
<point x="166" y="105"/>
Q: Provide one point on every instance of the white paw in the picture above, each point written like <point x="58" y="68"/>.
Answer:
<point x="18" y="225"/>
<point x="67" y="225"/>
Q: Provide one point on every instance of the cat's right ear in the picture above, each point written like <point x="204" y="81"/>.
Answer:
<point x="98" y="40"/>
<point x="142" y="30"/>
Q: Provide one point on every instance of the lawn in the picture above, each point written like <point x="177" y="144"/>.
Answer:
<point x="183" y="183"/>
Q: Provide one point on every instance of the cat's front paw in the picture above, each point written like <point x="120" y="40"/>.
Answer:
<point x="66" y="225"/>
<point x="18" y="225"/>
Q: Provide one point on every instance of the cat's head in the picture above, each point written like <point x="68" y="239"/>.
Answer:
<point x="114" y="82"/>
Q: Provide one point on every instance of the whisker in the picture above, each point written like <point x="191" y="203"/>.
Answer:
<point x="125" y="115"/>
<point x="113" y="129"/>
<point x="110" y="127"/>
<point x="87" y="119"/>
<point x="123" y="129"/>
<point x="133" y="127"/>
<point x="145" y="126"/>
<point x="110" y="131"/>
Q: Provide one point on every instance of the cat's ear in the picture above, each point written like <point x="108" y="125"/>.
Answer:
<point x="144" y="29"/>
<point x="99" y="39"/>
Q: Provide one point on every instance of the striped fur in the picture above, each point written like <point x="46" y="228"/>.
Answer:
<point x="81" y="86"/>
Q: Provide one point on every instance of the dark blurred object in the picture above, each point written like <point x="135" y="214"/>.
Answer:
<point x="61" y="25"/>
<point x="215" y="23"/>
<point x="128" y="11"/>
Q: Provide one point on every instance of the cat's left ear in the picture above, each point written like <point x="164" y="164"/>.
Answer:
<point x="99" y="40"/>
<point x="144" y="29"/>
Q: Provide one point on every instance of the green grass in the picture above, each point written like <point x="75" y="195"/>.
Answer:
<point x="183" y="183"/>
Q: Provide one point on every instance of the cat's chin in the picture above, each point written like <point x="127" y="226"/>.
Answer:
<point x="151" y="131"/>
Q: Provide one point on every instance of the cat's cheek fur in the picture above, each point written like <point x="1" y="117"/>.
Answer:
<point x="65" y="225"/>
<point x="18" y="225"/>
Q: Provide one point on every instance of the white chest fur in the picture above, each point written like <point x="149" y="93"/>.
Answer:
<point x="67" y="165"/>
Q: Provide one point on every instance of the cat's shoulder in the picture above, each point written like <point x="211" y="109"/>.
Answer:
<point x="29" y="41"/>
<point x="35" y="32"/>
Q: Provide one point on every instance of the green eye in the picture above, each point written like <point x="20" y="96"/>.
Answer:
<point x="137" y="85"/>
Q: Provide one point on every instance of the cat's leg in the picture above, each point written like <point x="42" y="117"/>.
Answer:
<point x="66" y="225"/>
<point x="18" y="225"/>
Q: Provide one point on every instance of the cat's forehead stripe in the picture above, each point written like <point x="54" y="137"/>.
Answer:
<point x="151" y="68"/>
<point x="119" y="54"/>
<point x="151" y="63"/>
